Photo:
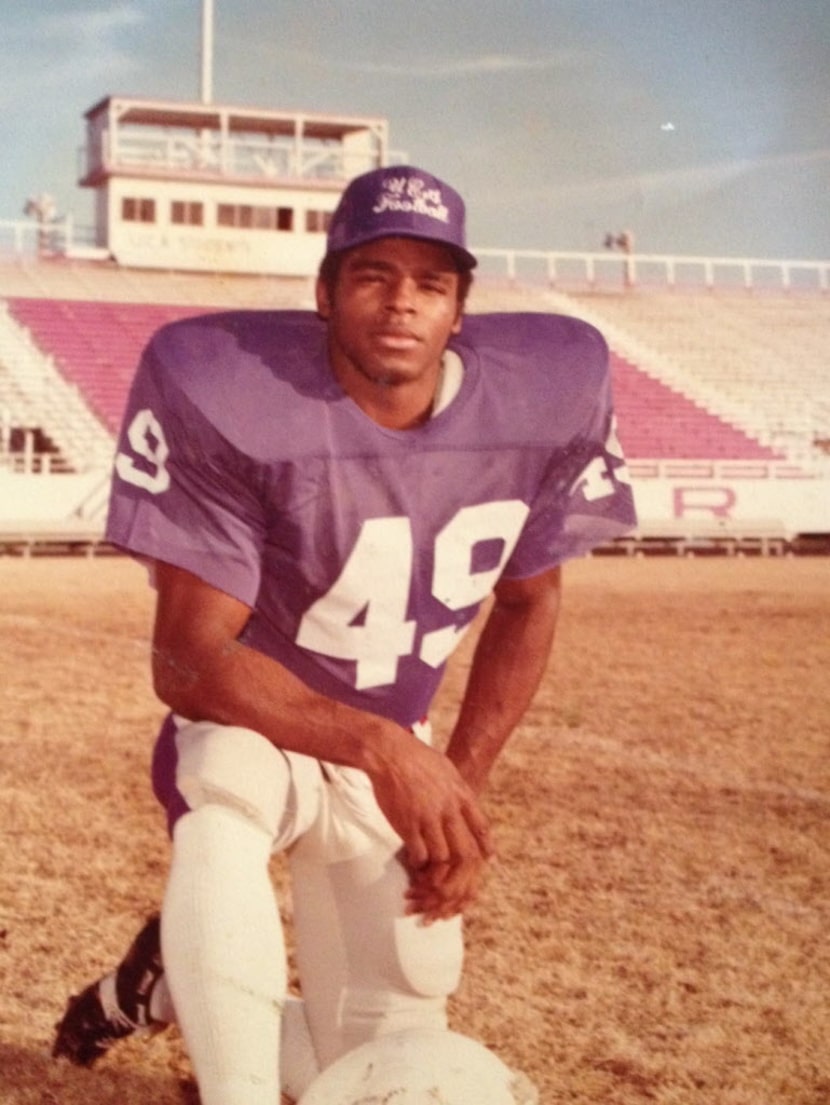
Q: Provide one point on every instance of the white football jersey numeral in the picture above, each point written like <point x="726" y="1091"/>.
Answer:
<point x="147" y="441"/>
<point x="453" y="581"/>
<point x="597" y="479"/>
<point x="362" y="617"/>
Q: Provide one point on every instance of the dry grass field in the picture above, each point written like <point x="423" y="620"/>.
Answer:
<point x="657" y="926"/>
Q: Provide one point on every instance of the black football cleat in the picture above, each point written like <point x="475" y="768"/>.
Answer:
<point x="114" y="1007"/>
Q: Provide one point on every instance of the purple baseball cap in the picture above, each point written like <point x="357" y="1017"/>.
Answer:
<point x="400" y="201"/>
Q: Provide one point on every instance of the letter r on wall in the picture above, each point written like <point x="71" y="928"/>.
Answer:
<point x="714" y="501"/>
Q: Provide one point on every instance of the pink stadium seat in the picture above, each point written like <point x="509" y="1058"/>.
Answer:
<point x="659" y="423"/>
<point x="95" y="345"/>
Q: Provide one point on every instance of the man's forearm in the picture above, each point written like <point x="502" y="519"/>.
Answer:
<point x="509" y="661"/>
<point x="233" y="684"/>
<point x="202" y="672"/>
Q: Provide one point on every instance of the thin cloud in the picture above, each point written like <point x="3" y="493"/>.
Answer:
<point x="449" y="68"/>
<point x="95" y="23"/>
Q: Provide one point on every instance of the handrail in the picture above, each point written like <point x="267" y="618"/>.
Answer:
<point x="569" y="269"/>
<point x="556" y="268"/>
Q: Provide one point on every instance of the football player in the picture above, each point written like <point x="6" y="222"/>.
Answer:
<point x="325" y="501"/>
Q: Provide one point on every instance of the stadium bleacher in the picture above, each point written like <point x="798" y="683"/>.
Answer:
<point x="657" y="421"/>
<point x="761" y="356"/>
<point x="96" y="343"/>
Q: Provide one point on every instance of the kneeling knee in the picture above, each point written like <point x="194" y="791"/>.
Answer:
<point x="235" y="768"/>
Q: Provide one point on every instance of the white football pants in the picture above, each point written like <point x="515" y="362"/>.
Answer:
<point x="366" y="968"/>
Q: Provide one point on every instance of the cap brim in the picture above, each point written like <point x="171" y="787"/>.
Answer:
<point x="464" y="258"/>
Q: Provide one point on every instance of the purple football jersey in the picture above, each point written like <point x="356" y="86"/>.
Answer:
<point x="364" y="552"/>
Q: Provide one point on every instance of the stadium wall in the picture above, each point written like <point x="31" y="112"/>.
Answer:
<point x="796" y="504"/>
<point x="31" y="496"/>
<point x="800" y="504"/>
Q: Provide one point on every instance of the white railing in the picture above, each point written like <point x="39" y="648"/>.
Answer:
<point x="213" y="155"/>
<point x="22" y="238"/>
<point x="28" y="462"/>
<point x="554" y="268"/>
<point x="590" y="270"/>
<point x="816" y="467"/>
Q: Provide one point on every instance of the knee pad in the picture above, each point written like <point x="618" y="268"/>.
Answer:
<point x="384" y="947"/>
<point x="239" y="769"/>
<point x="430" y="957"/>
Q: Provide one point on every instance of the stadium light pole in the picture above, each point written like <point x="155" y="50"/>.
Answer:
<point x="207" y="51"/>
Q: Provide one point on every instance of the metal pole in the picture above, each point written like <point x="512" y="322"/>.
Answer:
<point x="207" y="51"/>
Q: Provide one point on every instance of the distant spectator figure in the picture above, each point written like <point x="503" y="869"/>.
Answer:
<point x="624" y="242"/>
<point x="44" y="210"/>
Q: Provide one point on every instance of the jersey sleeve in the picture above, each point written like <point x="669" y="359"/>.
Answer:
<point x="585" y="498"/>
<point x="181" y="493"/>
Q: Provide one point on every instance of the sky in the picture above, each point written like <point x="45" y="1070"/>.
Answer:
<point x="700" y="126"/>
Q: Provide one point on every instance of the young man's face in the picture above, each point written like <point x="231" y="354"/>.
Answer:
<point x="393" y="309"/>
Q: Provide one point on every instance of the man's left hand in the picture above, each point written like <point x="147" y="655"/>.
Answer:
<point x="439" y="891"/>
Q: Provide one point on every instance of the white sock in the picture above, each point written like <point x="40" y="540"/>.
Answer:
<point x="298" y="1061"/>
<point x="160" y="1008"/>
<point x="224" y="955"/>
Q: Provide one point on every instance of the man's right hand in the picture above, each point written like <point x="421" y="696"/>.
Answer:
<point x="446" y="837"/>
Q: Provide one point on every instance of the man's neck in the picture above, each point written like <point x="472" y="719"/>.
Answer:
<point x="396" y="411"/>
<point x="393" y="404"/>
<point x="409" y="405"/>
